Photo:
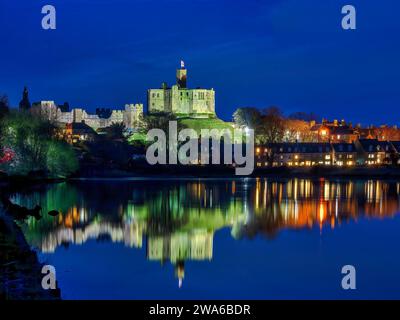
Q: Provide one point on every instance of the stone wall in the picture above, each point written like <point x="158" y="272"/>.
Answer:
<point x="130" y="116"/>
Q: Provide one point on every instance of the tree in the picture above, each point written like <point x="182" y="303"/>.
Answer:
<point x="24" y="104"/>
<point x="61" y="160"/>
<point x="33" y="145"/>
<point x="247" y="117"/>
<point x="297" y="131"/>
<point x="116" y="131"/>
<point x="273" y="127"/>
<point x="4" y="106"/>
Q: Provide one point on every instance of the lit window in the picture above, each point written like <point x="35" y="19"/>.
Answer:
<point x="327" y="157"/>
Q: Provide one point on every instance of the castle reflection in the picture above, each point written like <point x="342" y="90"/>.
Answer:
<point x="176" y="221"/>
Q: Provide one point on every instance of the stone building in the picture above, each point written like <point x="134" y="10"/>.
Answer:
<point x="131" y="116"/>
<point x="181" y="100"/>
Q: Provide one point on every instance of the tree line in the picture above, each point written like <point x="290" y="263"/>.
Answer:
<point x="271" y="126"/>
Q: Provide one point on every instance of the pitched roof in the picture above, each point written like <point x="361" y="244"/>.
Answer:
<point x="81" y="127"/>
<point x="396" y="145"/>
<point x="344" y="147"/>
<point x="300" y="147"/>
<point x="374" y="145"/>
<point x="342" y="130"/>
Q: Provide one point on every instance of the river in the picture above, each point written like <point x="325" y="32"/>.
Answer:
<point x="261" y="238"/>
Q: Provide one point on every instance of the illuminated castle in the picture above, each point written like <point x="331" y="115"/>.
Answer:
<point x="180" y="100"/>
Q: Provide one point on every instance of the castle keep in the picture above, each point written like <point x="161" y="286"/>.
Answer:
<point x="180" y="100"/>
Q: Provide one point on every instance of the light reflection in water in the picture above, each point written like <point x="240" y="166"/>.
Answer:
<point x="177" y="220"/>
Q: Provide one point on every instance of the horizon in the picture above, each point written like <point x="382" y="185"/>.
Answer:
<point x="107" y="55"/>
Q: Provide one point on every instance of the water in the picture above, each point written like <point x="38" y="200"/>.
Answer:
<point x="219" y="238"/>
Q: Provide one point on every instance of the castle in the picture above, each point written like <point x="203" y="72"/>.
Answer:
<point x="131" y="116"/>
<point x="180" y="100"/>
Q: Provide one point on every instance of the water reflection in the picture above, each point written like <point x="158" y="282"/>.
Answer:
<point x="176" y="221"/>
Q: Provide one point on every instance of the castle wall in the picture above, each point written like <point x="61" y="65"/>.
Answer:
<point x="130" y="116"/>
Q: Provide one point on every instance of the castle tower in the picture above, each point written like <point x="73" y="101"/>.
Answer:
<point x="181" y="76"/>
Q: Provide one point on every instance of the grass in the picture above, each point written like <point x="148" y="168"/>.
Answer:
<point x="211" y="123"/>
<point x="196" y="124"/>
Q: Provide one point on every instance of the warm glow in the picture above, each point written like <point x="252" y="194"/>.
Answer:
<point x="323" y="132"/>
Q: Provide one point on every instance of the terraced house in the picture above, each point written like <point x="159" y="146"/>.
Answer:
<point x="293" y="154"/>
<point x="369" y="152"/>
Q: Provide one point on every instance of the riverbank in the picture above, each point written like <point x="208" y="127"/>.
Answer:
<point x="229" y="172"/>
<point x="20" y="270"/>
<point x="13" y="184"/>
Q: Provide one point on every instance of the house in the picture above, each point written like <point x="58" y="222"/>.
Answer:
<point x="78" y="131"/>
<point x="335" y="132"/>
<point x="373" y="151"/>
<point x="344" y="154"/>
<point x="343" y="134"/>
<point x="293" y="154"/>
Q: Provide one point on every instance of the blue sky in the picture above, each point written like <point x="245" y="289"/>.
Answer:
<point x="293" y="54"/>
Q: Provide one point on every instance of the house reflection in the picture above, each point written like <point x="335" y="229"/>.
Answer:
<point x="176" y="221"/>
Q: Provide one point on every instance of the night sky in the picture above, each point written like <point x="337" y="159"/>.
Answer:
<point x="289" y="53"/>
